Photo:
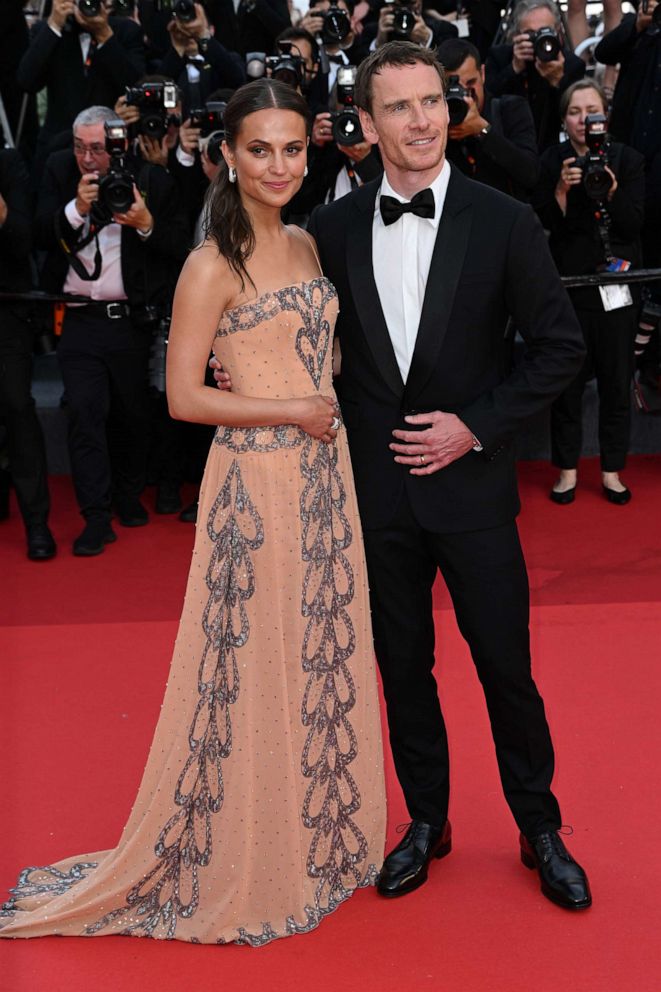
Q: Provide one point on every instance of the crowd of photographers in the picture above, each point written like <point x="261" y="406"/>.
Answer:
<point x="117" y="110"/>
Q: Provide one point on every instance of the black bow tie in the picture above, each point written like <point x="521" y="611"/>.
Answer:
<point x="335" y="59"/>
<point x="422" y="205"/>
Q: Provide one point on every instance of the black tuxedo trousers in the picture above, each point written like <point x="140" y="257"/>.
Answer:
<point x="490" y="262"/>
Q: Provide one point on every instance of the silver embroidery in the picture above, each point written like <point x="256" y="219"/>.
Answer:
<point x="260" y="439"/>
<point x="172" y="889"/>
<point x="43" y="881"/>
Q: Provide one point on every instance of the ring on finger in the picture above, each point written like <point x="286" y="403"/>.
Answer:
<point x="335" y="424"/>
<point x="422" y="459"/>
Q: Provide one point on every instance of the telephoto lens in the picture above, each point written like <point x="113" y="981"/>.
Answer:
<point x="89" y="8"/>
<point x="546" y="44"/>
<point x="455" y="96"/>
<point x="336" y="26"/>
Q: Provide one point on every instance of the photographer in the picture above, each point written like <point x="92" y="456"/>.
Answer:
<point x="330" y="24"/>
<point x="27" y="454"/>
<point x="198" y="62"/>
<point x="153" y="127"/>
<point x="591" y="199"/>
<point x="82" y="60"/>
<point x="538" y="65"/>
<point x="405" y="20"/>
<point x="491" y="139"/>
<point x="339" y="157"/>
<point x="114" y="233"/>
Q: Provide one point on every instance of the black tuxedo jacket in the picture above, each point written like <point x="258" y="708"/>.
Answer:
<point x="490" y="261"/>
<point x="57" y="63"/>
<point x="149" y="267"/>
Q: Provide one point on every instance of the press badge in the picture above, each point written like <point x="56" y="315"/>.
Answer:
<point x="615" y="297"/>
<point x="463" y="26"/>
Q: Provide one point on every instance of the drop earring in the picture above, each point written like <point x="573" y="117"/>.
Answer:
<point x="232" y="174"/>
<point x="305" y="172"/>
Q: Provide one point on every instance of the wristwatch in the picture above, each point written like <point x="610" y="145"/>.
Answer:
<point x="485" y="130"/>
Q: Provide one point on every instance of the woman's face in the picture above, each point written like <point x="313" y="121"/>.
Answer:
<point x="269" y="155"/>
<point x="582" y="103"/>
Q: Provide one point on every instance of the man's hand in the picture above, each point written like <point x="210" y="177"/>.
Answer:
<point x="97" y="26"/>
<point x="3" y="210"/>
<point x="426" y="451"/>
<point x="197" y="28"/>
<point x="356" y="152"/>
<point x="313" y="21"/>
<point x="87" y="192"/>
<point x="471" y="125"/>
<point x="322" y="129"/>
<point x="421" y="34"/>
<point x="644" y="20"/>
<point x="553" y="71"/>
<point x="138" y="215"/>
<point x="59" y="13"/>
<point x="154" y="151"/>
<point x="182" y="43"/>
<point x="189" y="137"/>
<point x="222" y="377"/>
<point x="385" y="25"/>
<point x="130" y="114"/>
<point x="523" y="53"/>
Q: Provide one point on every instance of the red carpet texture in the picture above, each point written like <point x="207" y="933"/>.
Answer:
<point x="85" y="647"/>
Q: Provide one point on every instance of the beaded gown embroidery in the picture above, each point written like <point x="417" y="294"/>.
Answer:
<point x="262" y="805"/>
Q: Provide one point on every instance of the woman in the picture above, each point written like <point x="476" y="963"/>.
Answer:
<point x="262" y="804"/>
<point x="588" y="234"/>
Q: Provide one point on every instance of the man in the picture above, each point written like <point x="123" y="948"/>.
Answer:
<point x="517" y="68"/>
<point x="495" y="143"/>
<point x="424" y="301"/>
<point x="82" y="61"/>
<point x="25" y="440"/>
<point x="126" y="268"/>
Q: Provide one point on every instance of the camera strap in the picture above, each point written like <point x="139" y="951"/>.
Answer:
<point x="74" y="261"/>
<point x="603" y="219"/>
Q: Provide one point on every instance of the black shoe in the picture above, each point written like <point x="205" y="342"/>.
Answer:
<point x="168" y="499"/>
<point x="189" y="513"/>
<point x="41" y="543"/>
<point x="563" y="498"/>
<point x="407" y="866"/>
<point x="563" y="880"/>
<point x="131" y="513"/>
<point x="93" y="540"/>
<point x="613" y="496"/>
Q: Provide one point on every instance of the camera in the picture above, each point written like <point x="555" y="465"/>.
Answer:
<point x="285" y="66"/>
<point x="455" y="96"/>
<point x="122" y="8"/>
<point x="656" y="13"/>
<point x="336" y="26"/>
<point x="155" y="102"/>
<point x="183" y="10"/>
<point x="403" y="19"/>
<point x="89" y="8"/>
<point x="596" y="180"/>
<point x="116" y="187"/>
<point x="212" y="129"/>
<point x="346" y="122"/>
<point x="546" y="44"/>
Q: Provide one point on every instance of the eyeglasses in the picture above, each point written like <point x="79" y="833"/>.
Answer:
<point x="97" y="149"/>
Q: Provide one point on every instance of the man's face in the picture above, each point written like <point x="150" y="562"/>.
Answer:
<point x="302" y="47"/>
<point x="471" y="78"/>
<point x="89" y="147"/>
<point x="538" y="18"/>
<point x="409" y="118"/>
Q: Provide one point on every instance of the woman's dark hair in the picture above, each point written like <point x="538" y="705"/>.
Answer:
<point x="227" y="221"/>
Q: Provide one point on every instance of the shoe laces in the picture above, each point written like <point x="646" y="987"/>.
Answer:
<point x="550" y="844"/>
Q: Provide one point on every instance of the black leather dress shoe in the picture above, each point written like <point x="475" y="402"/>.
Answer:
<point x="613" y="496"/>
<point x="563" y="498"/>
<point x="563" y="880"/>
<point x="189" y="513"/>
<point x="41" y="543"/>
<point x="168" y="499"/>
<point x="407" y="866"/>
<point x="131" y="513"/>
<point x="92" y="541"/>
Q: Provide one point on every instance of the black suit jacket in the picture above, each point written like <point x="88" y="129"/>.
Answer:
<point x="15" y="233"/>
<point x="490" y="261"/>
<point x="149" y="267"/>
<point x="57" y="64"/>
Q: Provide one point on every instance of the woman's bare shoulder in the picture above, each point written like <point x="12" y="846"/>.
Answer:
<point x="206" y="269"/>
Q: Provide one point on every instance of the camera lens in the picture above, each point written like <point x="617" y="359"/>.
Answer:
<point x="346" y="128"/>
<point x="184" y="11"/>
<point x="89" y="8"/>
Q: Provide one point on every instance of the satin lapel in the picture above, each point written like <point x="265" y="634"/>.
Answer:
<point x="446" y="265"/>
<point x="363" y="287"/>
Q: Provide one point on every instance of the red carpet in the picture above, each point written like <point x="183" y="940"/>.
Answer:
<point x="85" y="648"/>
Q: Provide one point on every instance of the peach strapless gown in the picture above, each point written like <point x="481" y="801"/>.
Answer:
<point x="262" y="806"/>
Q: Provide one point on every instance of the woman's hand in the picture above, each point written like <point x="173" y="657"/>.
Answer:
<point x="316" y="415"/>
<point x="570" y="175"/>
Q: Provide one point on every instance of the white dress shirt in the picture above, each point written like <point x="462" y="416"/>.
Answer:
<point x="109" y="285"/>
<point x="402" y="254"/>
